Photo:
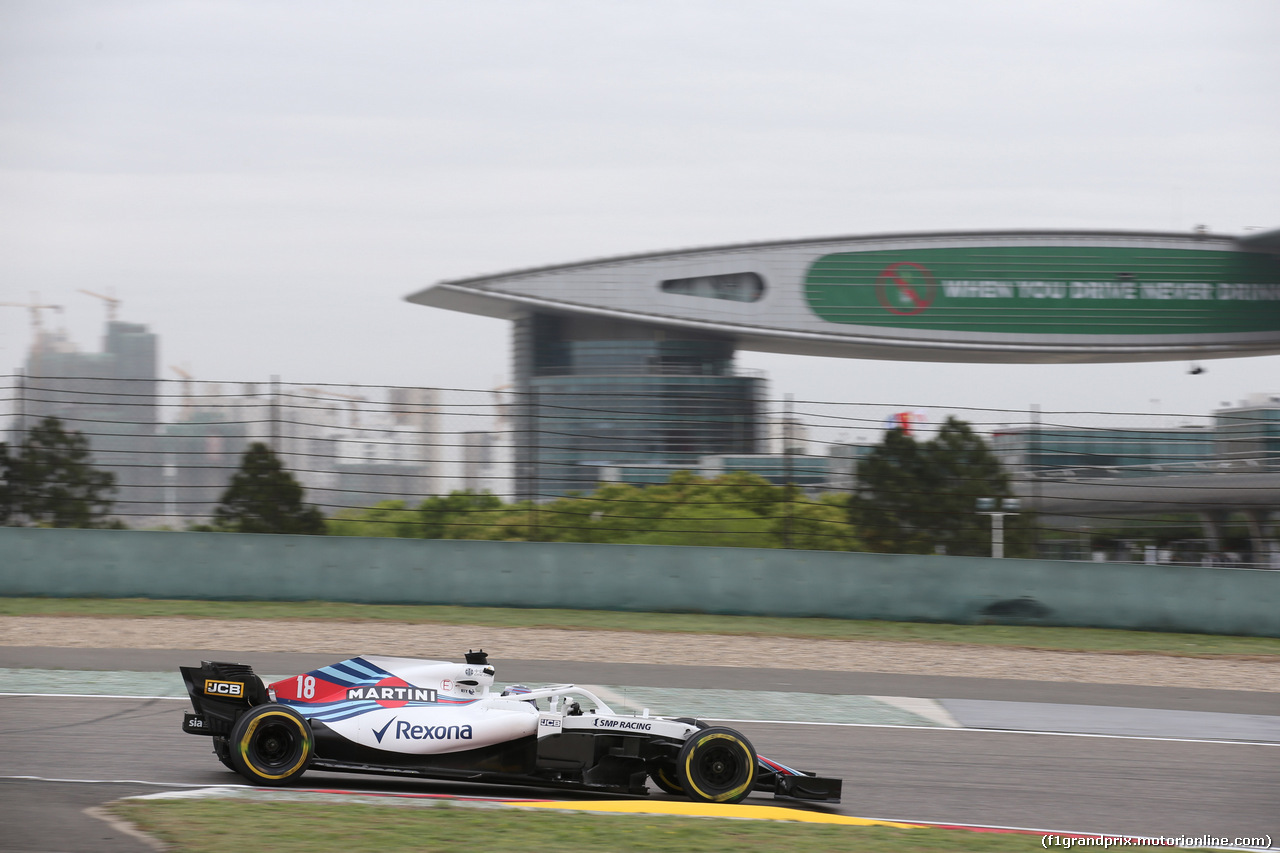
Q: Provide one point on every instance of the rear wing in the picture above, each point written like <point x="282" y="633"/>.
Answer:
<point x="220" y="692"/>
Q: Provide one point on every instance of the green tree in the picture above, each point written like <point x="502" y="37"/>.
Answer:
<point x="890" y="512"/>
<point x="822" y="525"/>
<point x="920" y="497"/>
<point x="459" y="515"/>
<point x="389" y="519"/>
<point x="737" y="509"/>
<point x="52" y="481"/>
<point x="265" y="498"/>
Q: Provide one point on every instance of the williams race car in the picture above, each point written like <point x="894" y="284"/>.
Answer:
<point x="441" y="720"/>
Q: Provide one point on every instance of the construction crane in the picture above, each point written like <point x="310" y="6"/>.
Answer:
<point x="35" y="311"/>
<point x="188" y="401"/>
<point x="112" y="303"/>
<point x="352" y="401"/>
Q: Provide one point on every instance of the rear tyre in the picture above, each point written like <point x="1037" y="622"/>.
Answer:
<point x="716" y="765"/>
<point x="271" y="745"/>
<point x="223" y="750"/>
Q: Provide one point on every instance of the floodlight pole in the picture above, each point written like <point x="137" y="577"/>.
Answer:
<point x="997" y="534"/>
<point x="987" y="506"/>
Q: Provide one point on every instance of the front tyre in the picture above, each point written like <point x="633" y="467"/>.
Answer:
<point x="664" y="776"/>
<point x="716" y="765"/>
<point x="271" y="745"/>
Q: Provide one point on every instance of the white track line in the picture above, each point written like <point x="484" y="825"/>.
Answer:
<point x="1002" y="731"/>
<point x="117" y="782"/>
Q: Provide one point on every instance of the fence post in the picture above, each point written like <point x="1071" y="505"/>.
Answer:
<point x="275" y="413"/>
<point x="787" y="424"/>
<point x="1034" y="470"/>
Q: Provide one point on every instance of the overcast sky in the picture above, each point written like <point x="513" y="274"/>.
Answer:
<point x="262" y="183"/>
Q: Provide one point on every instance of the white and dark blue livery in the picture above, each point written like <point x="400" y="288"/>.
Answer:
<point x="443" y="720"/>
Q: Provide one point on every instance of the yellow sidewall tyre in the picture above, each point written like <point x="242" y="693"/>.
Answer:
<point x="664" y="776"/>
<point x="223" y="750"/>
<point x="271" y="745"/>
<point x="716" y="765"/>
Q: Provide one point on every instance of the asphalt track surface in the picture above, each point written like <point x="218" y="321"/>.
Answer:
<point x="63" y="754"/>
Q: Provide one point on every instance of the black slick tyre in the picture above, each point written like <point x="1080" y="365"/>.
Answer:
<point x="271" y="745"/>
<point x="664" y="776"/>
<point x="716" y="765"/>
<point x="223" y="750"/>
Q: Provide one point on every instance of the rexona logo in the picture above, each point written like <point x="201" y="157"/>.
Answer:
<point x="223" y="688"/>
<point x="635" y="725"/>
<point x="405" y="731"/>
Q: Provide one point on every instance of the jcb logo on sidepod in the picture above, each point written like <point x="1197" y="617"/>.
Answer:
<point x="223" y="688"/>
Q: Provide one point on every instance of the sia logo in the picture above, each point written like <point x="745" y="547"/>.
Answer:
<point x="906" y="288"/>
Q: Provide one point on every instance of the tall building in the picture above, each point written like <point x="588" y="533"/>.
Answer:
<point x="111" y="398"/>
<point x="598" y="391"/>
<point x="1103" y="452"/>
<point x="346" y="450"/>
<point x="1250" y="430"/>
<point x="173" y="456"/>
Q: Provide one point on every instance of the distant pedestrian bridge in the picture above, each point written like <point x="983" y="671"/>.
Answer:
<point x="1216" y="492"/>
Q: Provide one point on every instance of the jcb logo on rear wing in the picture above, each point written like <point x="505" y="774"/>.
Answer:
<point x="223" y="688"/>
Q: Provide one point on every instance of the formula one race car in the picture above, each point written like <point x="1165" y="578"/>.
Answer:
<point x="440" y="720"/>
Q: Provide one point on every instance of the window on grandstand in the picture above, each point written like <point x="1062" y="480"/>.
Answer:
<point x="734" y="286"/>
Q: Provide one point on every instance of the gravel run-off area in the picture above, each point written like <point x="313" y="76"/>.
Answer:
<point x="448" y="642"/>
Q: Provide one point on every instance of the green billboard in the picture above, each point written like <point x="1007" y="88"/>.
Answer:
<point x="1050" y="290"/>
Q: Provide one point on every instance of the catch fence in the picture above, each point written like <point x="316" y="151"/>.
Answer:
<point x="1193" y="488"/>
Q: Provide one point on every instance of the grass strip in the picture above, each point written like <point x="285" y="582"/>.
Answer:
<point x="1015" y="636"/>
<point x="215" y="826"/>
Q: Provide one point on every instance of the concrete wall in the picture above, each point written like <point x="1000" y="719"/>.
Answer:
<point x="127" y="563"/>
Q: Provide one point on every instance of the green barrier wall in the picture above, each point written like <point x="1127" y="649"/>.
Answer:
<point x="127" y="563"/>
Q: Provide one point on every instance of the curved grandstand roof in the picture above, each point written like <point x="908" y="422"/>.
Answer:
<point x="990" y="296"/>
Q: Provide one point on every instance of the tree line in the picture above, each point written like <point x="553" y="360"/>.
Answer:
<point x="51" y="482"/>
<point x="913" y="497"/>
